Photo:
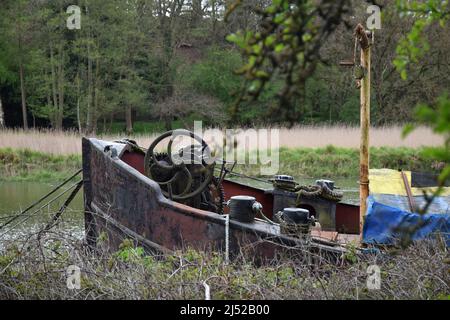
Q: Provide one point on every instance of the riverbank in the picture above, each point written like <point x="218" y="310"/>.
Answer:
<point x="329" y="162"/>
<point x="27" y="165"/>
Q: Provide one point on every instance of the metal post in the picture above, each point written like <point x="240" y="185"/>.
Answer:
<point x="365" y="42"/>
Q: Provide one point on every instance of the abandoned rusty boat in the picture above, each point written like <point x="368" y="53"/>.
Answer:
<point x="142" y="194"/>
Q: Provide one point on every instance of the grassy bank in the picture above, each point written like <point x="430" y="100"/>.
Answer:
<point x="331" y="162"/>
<point x="344" y="162"/>
<point x="26" y="165"/>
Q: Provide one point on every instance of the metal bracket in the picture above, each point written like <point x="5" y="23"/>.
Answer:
<point x="359" y="72"/>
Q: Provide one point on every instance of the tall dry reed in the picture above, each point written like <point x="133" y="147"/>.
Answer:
<point x="69" y="142"/>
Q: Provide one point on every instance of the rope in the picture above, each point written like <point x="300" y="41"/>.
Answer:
<point x="319" y="191"/>
<point x="241" y="175"/>
<point x="267" y="219"/>
<point x="40" y="200"/>
<point x="227" y="239"/>
<point x="293" y="229"/>
<point x="64" y="206"/>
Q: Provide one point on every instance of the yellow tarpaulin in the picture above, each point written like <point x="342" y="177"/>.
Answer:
<point x="388" y="181"/>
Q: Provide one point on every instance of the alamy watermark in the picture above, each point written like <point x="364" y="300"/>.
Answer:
<point x="374" y="277"/>
<point x="241" y="146"/>
<point x="73" y="277"/>
<point x="374" y="20"/>
<point x="73" y="22"/>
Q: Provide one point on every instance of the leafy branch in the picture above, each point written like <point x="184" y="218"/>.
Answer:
<point x="285" y="47"/>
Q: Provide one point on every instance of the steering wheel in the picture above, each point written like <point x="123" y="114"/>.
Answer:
<point x="179" y="167"/>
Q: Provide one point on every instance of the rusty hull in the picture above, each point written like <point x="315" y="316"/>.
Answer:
<point x="124" y="203"/>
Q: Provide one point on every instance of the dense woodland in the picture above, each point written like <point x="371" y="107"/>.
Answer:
<point x="166" y="61"/>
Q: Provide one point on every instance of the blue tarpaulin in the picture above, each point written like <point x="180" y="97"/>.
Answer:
<point x="385" y="224"/>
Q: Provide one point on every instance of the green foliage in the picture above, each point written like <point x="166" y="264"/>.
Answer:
<point x="26" y="165"/>
<point x="415" y="45"/>
<point x="128" y="253"/>
<point x="350" y="111"/>
<point x="333" y="162"/>
<point x="286" y="47"/>
<point x="214" y="74"/>
<point x="409" y="51"/>
<point x="438" y="118"/>
<point x="40" y="273"/>
<point x="126" y="55"/>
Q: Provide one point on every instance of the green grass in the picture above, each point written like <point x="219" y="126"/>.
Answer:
<point x="26" y="165"/>
<point x="335" y="162"/>
<point x="331" y="162"/>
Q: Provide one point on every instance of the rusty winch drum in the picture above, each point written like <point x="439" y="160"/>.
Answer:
<point x="243" y="208"/>
<point x="295" y="221"/>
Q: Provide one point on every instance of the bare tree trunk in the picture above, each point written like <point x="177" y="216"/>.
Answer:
<point x="78" y="104"/>
<point x="59" y="124"/>
<point x="214" y="18"/>
<point x="96" y="96"/>
<point x="23" y="96"/>
<point x="168" y="123"/>
<point x="21" y="75"/>
<point x="128" y="115"/>
<point x="90" y="108"/>
<point x="111" y="120"/>
<point x="196" y="15"/>
<point x="54" y="114"/>
<point x="2" y="115"/>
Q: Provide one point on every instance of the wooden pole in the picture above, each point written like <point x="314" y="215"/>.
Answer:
<point x="365" y="43"/>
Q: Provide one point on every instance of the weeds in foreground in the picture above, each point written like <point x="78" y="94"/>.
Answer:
<point x="32" y="269"/>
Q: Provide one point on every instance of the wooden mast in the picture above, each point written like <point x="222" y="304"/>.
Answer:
<point x="365" y="39"/>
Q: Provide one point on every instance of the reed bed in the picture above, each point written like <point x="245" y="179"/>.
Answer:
<point x="69" y="142"/>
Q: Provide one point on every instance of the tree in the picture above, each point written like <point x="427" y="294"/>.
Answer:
<point x="412" y="49"/>
<point x="287" y="45"/>
<point x="16" y="15"/>
<point x="7" y="74"/>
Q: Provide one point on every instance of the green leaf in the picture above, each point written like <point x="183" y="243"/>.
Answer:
<point x="306" y="37"/>
<point x="403" y="74"/>
<point x="445" y="174"/>
<point x="407" y="129"/>
<point x="279" y="47"/>
<point x="270" y="40"/>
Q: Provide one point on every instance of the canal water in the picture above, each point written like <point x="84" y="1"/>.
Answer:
<point x="16" y="196"/>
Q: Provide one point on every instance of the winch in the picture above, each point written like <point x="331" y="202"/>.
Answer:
<point x="186" y="175"/>
<point x="244" y="208"/>
<point x="319" y="199"/>
<point x="295" y="221"/>
<point x="285" y="182"/>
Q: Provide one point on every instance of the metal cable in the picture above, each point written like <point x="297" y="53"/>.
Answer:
<point x="40" y="200"/>
<point x="241" y="175"/>
<point x="42" y="207"/>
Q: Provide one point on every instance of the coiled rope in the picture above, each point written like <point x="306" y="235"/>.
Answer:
<point x="322" y="191"/>
<point x="311" y="191"/>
